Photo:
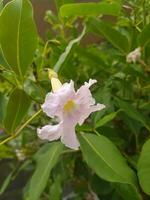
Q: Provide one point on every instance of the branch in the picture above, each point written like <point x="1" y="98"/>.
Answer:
<point x="21" y="128"/>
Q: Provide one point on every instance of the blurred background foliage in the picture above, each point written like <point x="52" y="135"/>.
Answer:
<point x="79" y="41"/>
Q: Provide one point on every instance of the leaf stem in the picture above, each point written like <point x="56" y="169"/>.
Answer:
<point x="21" y="128"/>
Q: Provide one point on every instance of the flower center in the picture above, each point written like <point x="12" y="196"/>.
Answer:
<point x="69" y="106"/>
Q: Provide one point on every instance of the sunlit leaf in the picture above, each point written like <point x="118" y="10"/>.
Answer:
<point x="89" y="9"/>
<point x="61" y="2"/>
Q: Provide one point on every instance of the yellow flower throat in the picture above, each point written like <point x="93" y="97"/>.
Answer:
<point x="68" y="107"/>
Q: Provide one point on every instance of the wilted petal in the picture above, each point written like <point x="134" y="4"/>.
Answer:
<point x="69" y="137"/>
<point x="50" y="132"/>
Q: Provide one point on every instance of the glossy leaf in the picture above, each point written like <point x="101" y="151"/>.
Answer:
<point x="89" y="9"/>
<point x="17" y="108"/>
<point x="144" y="168"/>
<point x="144" y="37"/>
<point x="106" y="160"/>
<point x="116" y="38"/>
<point x="46" y="159"/>
<point x="18" y="39"/>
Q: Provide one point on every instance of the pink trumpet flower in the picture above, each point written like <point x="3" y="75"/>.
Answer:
<point x="70" y="107"/>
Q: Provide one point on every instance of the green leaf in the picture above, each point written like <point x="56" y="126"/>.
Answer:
<point x="34" y="91"/>
<point x="127" y="192"/>
<point x="144" y="168"/>
<point x="56" y="188"/>
<point x="107" y="162"/>
<point x="1" y="5"/>
<point x="133" y="113"/>
<point x="3" y="103"/>
<point x="18" y="39"/>
<point x="116" y="38"/>
<point x="89" y="9"/>
<point x="106" y="119"/>
<point x="6" y="152"/>
<point x="6" y="183"/>
<point x="68" y="49"/>
<point x="17" y="108"/>
<point x="144" y="37"/>
<point x="46" y="158"/>
<point x="61" y="2"/>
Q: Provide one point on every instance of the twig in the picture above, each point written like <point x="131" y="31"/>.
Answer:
<point x="21" y="128"/>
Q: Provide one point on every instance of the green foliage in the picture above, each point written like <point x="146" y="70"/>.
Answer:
<point x="19" y="44"/>
<point x="104" y="158"/>
<point x="144" y="36"/>
<point x="83" y="41"/>
<point x="117" y="39"/>
<point x="1" y="5"/>
<point x="89" y="9"/>
<point x="144" y="168"/>
<point x="17" y="108"/>
<point x="46" y="159"/>
<point x="133" y="113"/>
<point x="68" y="49"/>
<point x="106" y="119"/>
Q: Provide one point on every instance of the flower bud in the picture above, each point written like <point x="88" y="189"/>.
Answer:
<point x="55" y="82"/>
<point x="134" y="56"/>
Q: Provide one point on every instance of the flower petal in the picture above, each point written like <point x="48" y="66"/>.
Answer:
<point x="86" y="113"/>
<point x="69" y="137"/>
<point x="91" y="82"/>
<point x="54" y="102"/>
<point x="97" y="107"/>
<point x="50" y="132"/>
<point x="86" y="102"/>
<point x="84" y="95"/>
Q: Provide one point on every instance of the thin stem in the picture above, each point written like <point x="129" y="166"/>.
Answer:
<point x="70" y="151"/>
<point x="21" y="128"/>
<point x="144" y="13"/>
<point x="97" y="133"/>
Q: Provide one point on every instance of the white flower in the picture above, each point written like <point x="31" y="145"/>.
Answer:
<point x="70" y="107"/>
<point x="134" y="56"/>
